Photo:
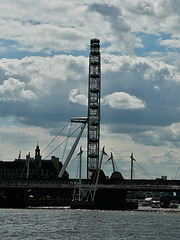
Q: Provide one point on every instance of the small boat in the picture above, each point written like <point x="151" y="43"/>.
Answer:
<point x="155" y="204"/>
<point x="147" y="202"/>
<point x="174" y="204"/>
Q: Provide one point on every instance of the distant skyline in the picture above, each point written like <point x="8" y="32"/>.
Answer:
<point x="44" y="49"/>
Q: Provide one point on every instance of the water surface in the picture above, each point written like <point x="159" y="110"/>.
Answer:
<point x="42" y="224"/>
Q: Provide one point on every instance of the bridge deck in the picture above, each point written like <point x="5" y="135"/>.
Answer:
<point x="129" y="185"/>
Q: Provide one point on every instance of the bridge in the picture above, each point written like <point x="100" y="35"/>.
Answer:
<point x="128" y="185"/>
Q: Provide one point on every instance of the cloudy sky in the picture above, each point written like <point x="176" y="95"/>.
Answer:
<point x="44" y="49"/>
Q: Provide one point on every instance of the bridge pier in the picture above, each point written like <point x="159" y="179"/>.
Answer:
<point x="13" y="198"/>
<point x="49" y="197"/>
<point x="110" y="198"/>
<point x="113" y="199"/>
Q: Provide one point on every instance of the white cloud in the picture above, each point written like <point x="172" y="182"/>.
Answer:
<point x="75" y="97"/>
<point x="21" y="137"/>
<point x="43" y="73"/>
<point x="70" y="26"/>
<point x="121" y="100"/>
<point x="160" y="136"/>
<point x="144" y="68"/>
<point x="36" y="28"/>
<point x="128" y="82"/>
<point x="172" y="43"/>
<point x="14" y="90"/>
<point x="66" y="26"/>
<point x="46" y="80"/>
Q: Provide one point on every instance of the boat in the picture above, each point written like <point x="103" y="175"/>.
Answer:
<point x="147" y="202"/>
<point x="155" y="204"/>
<point x="174" y="204"/>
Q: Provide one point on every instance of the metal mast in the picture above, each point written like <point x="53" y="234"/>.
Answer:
<point x="94" y="106"/>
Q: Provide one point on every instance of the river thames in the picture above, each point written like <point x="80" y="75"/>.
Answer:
<point x="67" y="224"/>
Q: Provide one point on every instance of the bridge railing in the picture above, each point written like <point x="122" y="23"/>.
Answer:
<point x="109" y="183"/>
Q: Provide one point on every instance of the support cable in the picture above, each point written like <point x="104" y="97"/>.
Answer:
<point x="176" y="176"/>
<point x="54" y="138"/>
<point x="143" y="171"/>
<point x="63" y="141"/>
<point x="66" y="142"/>
<point x="72" y="166"/>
